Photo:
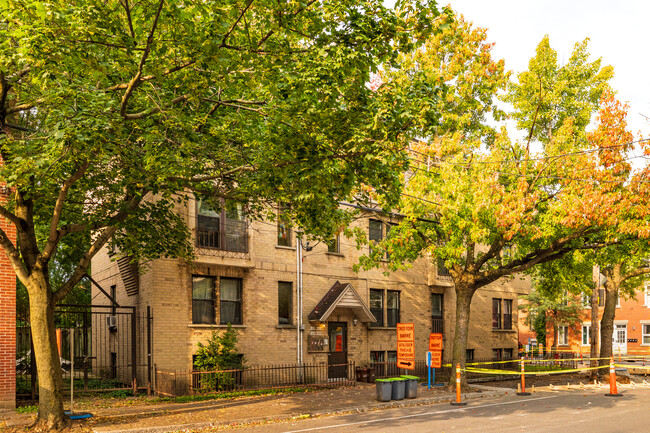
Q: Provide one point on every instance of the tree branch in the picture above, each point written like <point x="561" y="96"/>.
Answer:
<point x="234" y="25"/>
<point x="147" y="49"/>
<point x="14" y="257"/>
<point x="55" y="234"/>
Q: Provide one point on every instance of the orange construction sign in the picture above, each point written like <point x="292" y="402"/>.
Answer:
<point x="407" y="364"/>
<point x="405" y="350"/>
<point x="405" y="332"/>
<point x="435" y="342"/>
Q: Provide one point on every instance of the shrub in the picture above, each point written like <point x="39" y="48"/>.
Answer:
<point x="220" y="353"/>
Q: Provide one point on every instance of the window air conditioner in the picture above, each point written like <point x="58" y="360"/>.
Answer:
<point x="111" y="322"/>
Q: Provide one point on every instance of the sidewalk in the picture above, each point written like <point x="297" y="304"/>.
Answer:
<point x="168" y="417"/>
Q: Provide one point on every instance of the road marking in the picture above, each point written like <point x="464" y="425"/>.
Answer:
<point x="423" y="414"/>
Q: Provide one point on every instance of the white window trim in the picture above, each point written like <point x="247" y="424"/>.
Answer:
<point x="643" y="323"/>
<point x="566" y="336"/>
<point x="588" y="324"/>
<point x="646" y="296"/>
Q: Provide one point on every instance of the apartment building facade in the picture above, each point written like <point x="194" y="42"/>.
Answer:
<point x="292" y="302"/>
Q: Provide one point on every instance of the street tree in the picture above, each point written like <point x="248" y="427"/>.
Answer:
<point x="112" y="113"/>
<point x="491" y="209"/>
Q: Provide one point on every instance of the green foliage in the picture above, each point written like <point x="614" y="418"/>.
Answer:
<point x="220" y="353"/>
<point x="27" y="409"/>
<point x="551" y="309"/>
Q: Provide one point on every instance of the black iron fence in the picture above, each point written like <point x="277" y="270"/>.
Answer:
<point x="176" y="383"/>
<point x="101" y="348"/>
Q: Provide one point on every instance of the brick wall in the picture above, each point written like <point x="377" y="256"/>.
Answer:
<point x="7" y="325"/>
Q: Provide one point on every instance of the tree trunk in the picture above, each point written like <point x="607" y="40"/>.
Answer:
<point x="593" y="330"/>
<point x="607" y="321"/>
<point x="464" y="295"/>
<point x="50" y="380"/>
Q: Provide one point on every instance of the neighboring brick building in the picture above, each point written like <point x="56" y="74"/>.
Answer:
<point x="7" y="324"/>
<point x="631" y="327"/>
<point x="245" y="273"/>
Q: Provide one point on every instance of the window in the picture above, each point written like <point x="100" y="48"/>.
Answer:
<point x="391" y="356"/>
<point x="442" y="269"/>
<point x="284" y="228"/>
<point x="647" y="296"/>
<point x="586" y="300"/>
<point x="497" y="354"/>
<point x="334" y="245"/>
<point x="507" y="314"/>
<point x="469" y="355"/>
<point x="586" y="334"/>
<point x="375" y="232"/>
<point x="496" y="313"/>
<point x="501" y="313"/>
<point x="392" y="308"/>
<point x="284" y="303"/>
<point x="230" y="294"/>
<point x="224" y="229"/>
<point x="376" y="356"/>
<point x="436" y="313"/>
<point x="618" y="302"/>
<point x="377" y="306"/>
<point x="646" y="333"/>
<point x="507" y="353"/>
<point x="203" y="299"/>
<point x="562" y="335"/>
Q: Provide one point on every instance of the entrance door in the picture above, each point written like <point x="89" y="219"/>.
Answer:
<point x="619" y="342"/>
<point x="337" y="358"/>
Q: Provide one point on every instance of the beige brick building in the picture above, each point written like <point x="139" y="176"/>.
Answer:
<point x="246" y="273"/>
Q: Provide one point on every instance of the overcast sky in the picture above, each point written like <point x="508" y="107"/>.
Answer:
<point x="618" y="31"/>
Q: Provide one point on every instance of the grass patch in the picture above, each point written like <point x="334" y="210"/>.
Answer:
<point x="27" y="409"/>
<point x="233" y="394"/>
<point x="542" y="368"/>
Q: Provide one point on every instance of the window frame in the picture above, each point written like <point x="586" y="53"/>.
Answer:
<point x="237" y="302"/>
<point x="283" y="285"/>
<point x="283" y="225"/>
<point x="646" y="296"/>
<point x="202" y="300"/>
<point x="334" y="245"/>
<point x="644" y="334"/>
<point x="388" y="309"/>
<point x="586" y="327"/>
<point x="380" y="320"/>
<point x="562" y="335"/>
<point x="225" y="226"/>
<point x="497" y="313"/>
<point x="437" y="321"/>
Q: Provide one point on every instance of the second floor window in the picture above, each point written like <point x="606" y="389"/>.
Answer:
<point x="436" y="313"/>
<point x="284" y="229"/>
<point x="501" y="313"/>
<point x="442" y="269"/>
<point x="223" y="229"/>
<point x="334" y="245"/>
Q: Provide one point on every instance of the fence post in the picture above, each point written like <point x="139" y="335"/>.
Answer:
<point x="458" y="402"/>
<point x="148" y="350"/>
<point x="613" y="392"/>
<point x="134" y="358"/>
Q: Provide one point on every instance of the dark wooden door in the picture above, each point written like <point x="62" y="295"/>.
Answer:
<point x="337" y="358"/>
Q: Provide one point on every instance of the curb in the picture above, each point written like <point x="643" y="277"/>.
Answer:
<point x="485" y="391"/>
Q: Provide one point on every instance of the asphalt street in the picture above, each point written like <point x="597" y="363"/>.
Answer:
<point x="571" y="411"/>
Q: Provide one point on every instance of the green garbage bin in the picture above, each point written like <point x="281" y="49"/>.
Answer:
<point x="411" y="388"/>
<point x="399" y="385"/>
<point x="384" y="389"/>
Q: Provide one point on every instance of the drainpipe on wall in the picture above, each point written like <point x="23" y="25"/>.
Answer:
<point x="299" y="304"/>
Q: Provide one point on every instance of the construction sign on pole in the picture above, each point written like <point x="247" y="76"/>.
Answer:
<point x="435" y="347"/>
<point x="406" y="346"/>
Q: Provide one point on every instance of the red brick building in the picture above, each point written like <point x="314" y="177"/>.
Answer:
<point x="7" y="325"/>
